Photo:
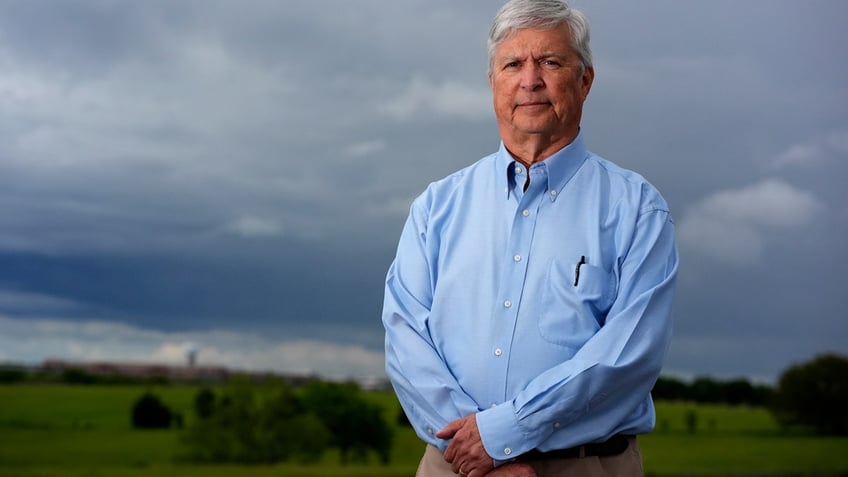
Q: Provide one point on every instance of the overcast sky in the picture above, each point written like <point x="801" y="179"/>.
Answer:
<point x="236" y="174"/>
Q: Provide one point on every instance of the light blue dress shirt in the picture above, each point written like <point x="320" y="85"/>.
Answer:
<point x="488" y="309"/>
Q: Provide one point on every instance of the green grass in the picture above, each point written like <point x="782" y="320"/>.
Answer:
<point x="85" y="431"/>
<point x="736" y="441"/>
<point x="57" y="407"/>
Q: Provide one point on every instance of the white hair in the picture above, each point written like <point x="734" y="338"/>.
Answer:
<point x="540" y="14"/>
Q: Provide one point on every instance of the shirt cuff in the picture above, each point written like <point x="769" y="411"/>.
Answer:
<point x="501" y="434"/>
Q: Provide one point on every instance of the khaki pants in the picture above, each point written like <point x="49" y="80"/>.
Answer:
<point x="626" y="464"/>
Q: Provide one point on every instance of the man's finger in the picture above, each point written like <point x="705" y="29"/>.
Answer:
<point x="450" y="429"/>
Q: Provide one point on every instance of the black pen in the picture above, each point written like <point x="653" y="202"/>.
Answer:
<point x="577" y="269"/>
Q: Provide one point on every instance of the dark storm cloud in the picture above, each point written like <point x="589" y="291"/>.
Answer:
<point x="182" y="167"/>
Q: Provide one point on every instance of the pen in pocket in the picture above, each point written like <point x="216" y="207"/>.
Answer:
<point x="577" y="269"/>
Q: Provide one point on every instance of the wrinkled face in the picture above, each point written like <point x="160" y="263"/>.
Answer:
<point x="537" y="84"/>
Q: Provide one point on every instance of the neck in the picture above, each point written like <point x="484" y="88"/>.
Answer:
<point x="529" y="149"/>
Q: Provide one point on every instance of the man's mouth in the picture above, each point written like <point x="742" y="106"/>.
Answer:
<point x="533" y="104"/>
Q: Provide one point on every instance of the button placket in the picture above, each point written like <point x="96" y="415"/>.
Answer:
<point x="513" y="268"/>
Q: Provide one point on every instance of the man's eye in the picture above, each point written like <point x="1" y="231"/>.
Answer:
<point x="513" y="64"/>
<point x="550" y="63"/>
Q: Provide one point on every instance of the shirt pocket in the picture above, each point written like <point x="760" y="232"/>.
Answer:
<point x="570" y="314"/>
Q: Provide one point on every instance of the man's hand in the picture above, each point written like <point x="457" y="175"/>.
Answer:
<point x="466" y="453"/>
<point x="513" y="469"/>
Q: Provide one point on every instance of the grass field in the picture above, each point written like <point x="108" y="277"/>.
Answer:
<point x="85" y="431"/>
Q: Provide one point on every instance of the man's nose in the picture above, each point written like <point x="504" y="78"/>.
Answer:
<point x="531" y="77"/>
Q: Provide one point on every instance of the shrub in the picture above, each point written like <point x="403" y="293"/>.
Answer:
<point x="254" y="424"/>
<point x="10" y="376"/>
<point x="814" y="394"/>
<point x="148" y="412"/>
<point x="356" y="425"/>
<point x="204" y="403"/>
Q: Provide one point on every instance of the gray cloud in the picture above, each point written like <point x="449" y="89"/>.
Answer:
<point x="39" y="339"/>
<point x="733" y="225"/>
<point x="180" y="166"/>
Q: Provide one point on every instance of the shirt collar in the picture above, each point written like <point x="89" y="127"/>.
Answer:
<point x="561" y="166"/>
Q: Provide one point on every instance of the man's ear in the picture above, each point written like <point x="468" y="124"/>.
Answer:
<point x="586" y="81"/>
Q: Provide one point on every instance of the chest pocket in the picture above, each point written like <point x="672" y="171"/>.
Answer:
<point x="571" y="314"/>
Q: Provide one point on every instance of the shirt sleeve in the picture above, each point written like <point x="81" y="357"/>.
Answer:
<point x="428" y="392"/>
<point x="614" y="371"/>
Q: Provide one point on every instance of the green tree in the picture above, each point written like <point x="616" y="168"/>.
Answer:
<point x="11" y="375"/>
<point x="670" y="389"/>
<point x="356" y="425"/>
<point x="814" y="394"/>
<point x="204" y="403"/>
<point x="149" y="412"/>
<point x="254" y="424"/>
<point x="706" y="390"/>
<point x="691" y="421"/>
<point x="285" y="429"/>
<point x="738" y="391"/>
<point x="77" y="376"/>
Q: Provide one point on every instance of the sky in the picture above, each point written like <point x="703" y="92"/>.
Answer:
<point x="234" y="176"/>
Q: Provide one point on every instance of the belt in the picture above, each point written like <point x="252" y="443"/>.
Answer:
<point x="615" y="445"/>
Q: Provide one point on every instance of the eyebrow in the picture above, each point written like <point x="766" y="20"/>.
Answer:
<point x="544" y="55"/>
<point x="553" y="54"/>
<point x="506" y="60"/>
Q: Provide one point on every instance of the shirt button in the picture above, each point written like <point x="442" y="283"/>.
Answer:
<point x="507" y="304"/>
<point x="525" y="212"/>
<point x="498" y="352"/>
<point x="556" y="425"/>
<point x="517" y="258"/>
<point x="518" y="170"/>
<point x="430" y="431"/>
<point x="507" y="451"/>
<point x="553" y="193"/>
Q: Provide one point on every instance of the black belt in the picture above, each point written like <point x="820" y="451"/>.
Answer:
<point x="615" y="445"/>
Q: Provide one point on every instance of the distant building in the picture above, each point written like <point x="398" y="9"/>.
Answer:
<point x="191" y="356"/>
<point x="189" y="373"/>
<point x="140" y="370"/>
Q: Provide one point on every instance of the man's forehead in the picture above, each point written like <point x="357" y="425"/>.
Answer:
<point x="553" y="40"/>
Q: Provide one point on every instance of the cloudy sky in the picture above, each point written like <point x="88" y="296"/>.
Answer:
<point x="236" y="174"/>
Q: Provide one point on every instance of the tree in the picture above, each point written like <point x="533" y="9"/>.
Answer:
<point x="285" y="430"/>
<point x="204" y="403"/>
<point x="706" y="390"/>
<point x="254" y="423"/>
<point x="356" y="425"/>
<point x="10" y="375"/>
<point x="402" y="419"/>
<point x="148" y="412"/>
<point x="738" y="391"/>
<point x="814" y="394"/>
<point x="670" y="389"/>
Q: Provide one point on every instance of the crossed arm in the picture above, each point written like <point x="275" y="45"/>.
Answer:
<point x="614" y="370"/>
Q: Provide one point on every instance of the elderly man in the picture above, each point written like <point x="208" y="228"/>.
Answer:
<point x="527" y="311"/>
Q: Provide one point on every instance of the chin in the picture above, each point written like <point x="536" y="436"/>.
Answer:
<point x="531" y="128"/>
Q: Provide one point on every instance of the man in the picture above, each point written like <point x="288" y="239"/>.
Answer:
<point x="527" y="311"/>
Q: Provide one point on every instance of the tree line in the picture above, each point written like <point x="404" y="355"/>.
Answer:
<point x="808" y="395"/>
<point x="707" y="390"/>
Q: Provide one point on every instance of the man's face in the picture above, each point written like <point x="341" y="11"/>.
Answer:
<point x="537" y="84"/>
